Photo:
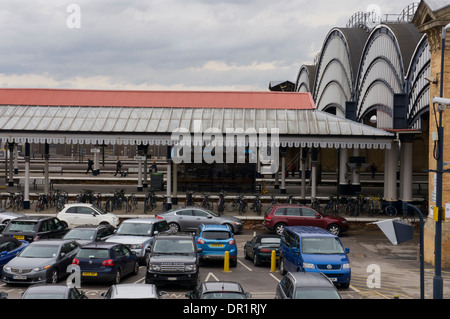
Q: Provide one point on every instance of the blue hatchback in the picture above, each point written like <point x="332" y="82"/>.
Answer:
<point x="106" y="262"/>
<point x="9" y="248"/>
<point x="215" y="240"/>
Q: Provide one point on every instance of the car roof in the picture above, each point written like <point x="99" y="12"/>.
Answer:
<point x="310" y="231"/>
<point x="31" y="218"/>
<point x="79" y="204"/>
<point x="91" y="226"/>
<point x="310" y="279"/>
<point x="215" y="227"/>
<point x="148" y="220"/>
<point x="40" y="288"/>
<point x="100" y="244"/>
<point x="134" y="290"/>
<point x="48" y="242"/>
<point x="209" y="286"/>
<point x="177" y="234"/>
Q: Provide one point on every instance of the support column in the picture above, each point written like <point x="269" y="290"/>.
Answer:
<point x="283" y="170"/>
<point x="11" y="164"/>
<point x="46" y="167"/>
<point x="26" y="194"/>
<point x="390" y="171"/>
<point x="343" y="183"/>
<point x="313" y="177"/>
<point x="356" y="167"/>
<point x="303" y="170"/>
<point x="139" y="187"/>
<point x="406" y="168"/>
<point x="175" y="184"/>
<point x="169" y="184"/>
<point x="96" y="152"/>
<point x="16" y="159"/>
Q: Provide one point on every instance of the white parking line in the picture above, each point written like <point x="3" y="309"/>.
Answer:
<point x="274" y="277"/>
<point x="249" y="269"/>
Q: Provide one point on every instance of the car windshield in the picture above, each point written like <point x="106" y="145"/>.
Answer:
<point x="223" y="295"/>
<point x="321" y="245"/>
<point x="213" y="234"/>
<point x="93" y="253"/>
<point x="173" y="246"/>
<point x="86" y="234"/>
<point x="21" y="226"/>
<point x="41" y="295"/>
<point x="135" y="229"/>
<point x="40" y="251"/>
<point x="316" y="293"/>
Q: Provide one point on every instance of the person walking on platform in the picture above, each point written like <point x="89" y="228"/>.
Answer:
<point x="118" y="167"/>
<point x="90" y="166"/>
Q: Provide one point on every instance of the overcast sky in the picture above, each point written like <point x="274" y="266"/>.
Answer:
<point x="166" y="44"/>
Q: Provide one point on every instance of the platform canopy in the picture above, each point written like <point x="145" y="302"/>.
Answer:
<point x="61" y="116"/>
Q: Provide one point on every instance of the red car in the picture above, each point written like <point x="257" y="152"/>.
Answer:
<point x="279" y="216"/>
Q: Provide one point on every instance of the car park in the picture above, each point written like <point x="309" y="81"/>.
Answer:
<point x="173" y="259"/>
<point x="43" y="261"/>
<point x="31" y="228"/>
<point x="279" y="216"/>
<point x="47" y="291"/>
<point x="138" y="235"/>
<point x="6" y="216"/>
<point x="306" y="285"/>
<point x="218" y="290"/>
<point x="313" y="249"/>
<point x="89" y="233"/>
<point x="191" y="217"/>
<point x="260" y="247"/>
<point x="106" y="262"/>
<point x="133" y="291"/>
<point x="9" y="248"/>
<point x="214" y="241"/>
<point x="86" y="214"/>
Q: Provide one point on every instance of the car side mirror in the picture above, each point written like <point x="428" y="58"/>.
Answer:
<point x="347" y="250"/>
<point x="318" y="216"/>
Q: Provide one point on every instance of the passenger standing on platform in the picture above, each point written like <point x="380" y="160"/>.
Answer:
<point x="373" y="169"/>
<point x="90" y="166"/>
<point x="118" y="167"/>
<point x="153" y="168"/>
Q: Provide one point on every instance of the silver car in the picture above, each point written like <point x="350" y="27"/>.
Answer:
<point x="190" y="218"/>
<point x="138" y="234"/>
<point x="43" y="261"/>
<point x="133" y="291"/>
<point x="6" y="217"/>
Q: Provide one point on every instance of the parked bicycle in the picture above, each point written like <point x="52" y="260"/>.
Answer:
<point x="61" y="198"/>
<point x="332" y="206"/>
<point x="116" y="201"/>
<point x="189" y="198"/>
<point x="315" y="204"/>
<point x="221" y="203"/>
<point x="206" y="203"/>
<point x="131" y="203"/>
<point x="150" y="201"/>
<point x="256" y="206"/>
<point x="41" y="203"/>
<point x="242" y="205"/>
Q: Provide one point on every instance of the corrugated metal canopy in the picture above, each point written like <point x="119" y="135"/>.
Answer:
<point x="149" y="125"/>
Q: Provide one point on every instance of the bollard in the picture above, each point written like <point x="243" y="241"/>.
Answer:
<point x="226" y="262"/>
<point x="273" y="261"/>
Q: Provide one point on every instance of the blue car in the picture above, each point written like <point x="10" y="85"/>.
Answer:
<point x="215" y="240"/>
<point x="106" y="262"/>
<point x="9" y="248"/>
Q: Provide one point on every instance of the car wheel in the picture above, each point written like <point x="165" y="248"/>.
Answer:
<point x="246" y="256"/>
<point x="233" y="262"/>
<point x="256" y="261"/>
<point x="54" y="277"/>
<point x="174" y="227"/>
<point x="334" y="229"/>
<point x="279" y="228"/>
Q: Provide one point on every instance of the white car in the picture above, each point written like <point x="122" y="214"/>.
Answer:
<point x="86" y="214"/>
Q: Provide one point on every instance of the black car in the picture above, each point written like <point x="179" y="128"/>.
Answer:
<point x="53" y="292"/>
<point x="306" y="285"/>
<point x="218" y="290"/>
<point x="31" y="228"/>
<point x="89" y="233"/>
<point x="260" y="248"/>
<point x="173" y="259"/>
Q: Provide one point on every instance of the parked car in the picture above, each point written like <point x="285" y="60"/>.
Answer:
<point x="9" y="248"/>
<point x="31" y="228"/>
<point x="313" y="249"/>
<point x="86" y="214"/>
<point x="214" y="241"/>
<point x="279" y="216"/>
<point x="6" y="217"/>
<point x="2" y="228"/>
<point x="89" y="233"/>
<point x="43" y="261"/>
<point x="138" y="235"/>
<point x="190" y="218"/>
<point x="47" y="291"/>
<point x="218" y="290"/>
<point x="106" y="262"/>
<point x="133" y="291"/>
<point x="173" y="259"/>
<point x="259" y="248"/>
<point x="306" y="285"/>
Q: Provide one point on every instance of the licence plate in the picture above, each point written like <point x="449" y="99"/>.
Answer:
<point x="171" y="278"/>
<point x="19" y="237"/>
<point x="89" y="274"/>
<point x="332" y="278"/>
<point x="22" y="277"/>
<point x="216" y="245"/>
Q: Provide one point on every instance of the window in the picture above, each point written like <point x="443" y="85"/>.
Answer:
<point x="307" y="212"/>
<point x="200" y="213"/>
<point x="184" y="212"/>
<point x="85" y="211"/>
<point x="292" y="211"/>
<point x="280" y="212"/>
<point x="72" y="210"/>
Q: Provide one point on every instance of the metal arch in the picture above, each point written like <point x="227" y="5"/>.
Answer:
<point x="377" y="107"/>
<point x="327" y="86"/>
<point x="349" y="83"/>
<point x="359" y="116"/>
<point x="333" y="33"/>
<point x="379" y="30"/>
<point x="335" y="105"/>
<point x="302" y="70"/>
